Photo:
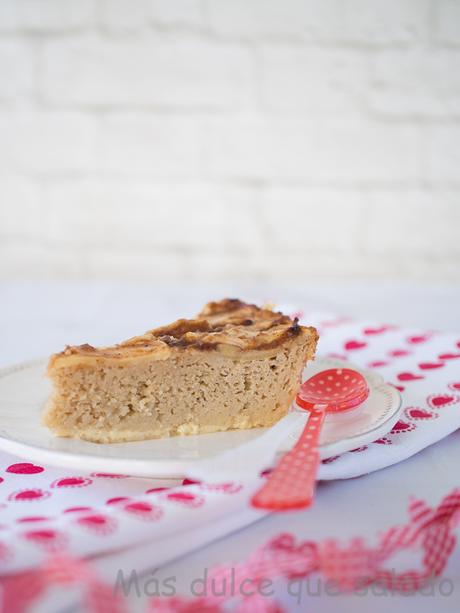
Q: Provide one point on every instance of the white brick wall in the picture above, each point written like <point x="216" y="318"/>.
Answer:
<point x="161" y="72"/>
<point x="45" y="16"/>
<point x="262" y="139"/>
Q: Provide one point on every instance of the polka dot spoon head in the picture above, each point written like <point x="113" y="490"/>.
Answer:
<point x="335" y="390"/>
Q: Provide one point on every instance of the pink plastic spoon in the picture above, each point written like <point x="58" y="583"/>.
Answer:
<point x="291" y="484"/>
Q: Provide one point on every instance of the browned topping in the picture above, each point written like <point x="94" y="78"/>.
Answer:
<point x="87" y="347"/>
<point x="181" y="327"/>
<point x="227" y="305"/>
<point x="295" y="328"/>
<point x="69" y="350"/>
<point x="230" y="322"/>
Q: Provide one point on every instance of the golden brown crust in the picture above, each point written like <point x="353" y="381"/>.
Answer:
<point x="230" y="326"/>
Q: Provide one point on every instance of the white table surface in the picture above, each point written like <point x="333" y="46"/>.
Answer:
<point x="38" y="318"/>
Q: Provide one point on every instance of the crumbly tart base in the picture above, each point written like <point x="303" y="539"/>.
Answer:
<point x="234" y="367"/>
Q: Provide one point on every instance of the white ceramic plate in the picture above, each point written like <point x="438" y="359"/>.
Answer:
<point x="24" y="390"/>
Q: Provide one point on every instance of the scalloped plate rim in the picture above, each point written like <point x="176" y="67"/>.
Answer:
<point x="168" y="467"/>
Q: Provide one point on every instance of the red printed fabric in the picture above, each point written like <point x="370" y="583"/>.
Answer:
<point x="429" y="534"/>
<point x="52" y="511"/>
<point x="423" y="365"/>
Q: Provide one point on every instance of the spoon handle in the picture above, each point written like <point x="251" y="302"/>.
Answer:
<point x="291" y="484"/>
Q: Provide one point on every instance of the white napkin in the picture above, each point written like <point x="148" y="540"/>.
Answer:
<point x="47" y="510"/>
<point x="426" y="368"/>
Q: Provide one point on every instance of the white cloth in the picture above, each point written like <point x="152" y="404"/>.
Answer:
<point x="424" y="365"/>
<point x="38" y="502"/>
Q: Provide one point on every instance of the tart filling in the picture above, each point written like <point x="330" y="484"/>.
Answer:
<point x="235" y="366"/>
